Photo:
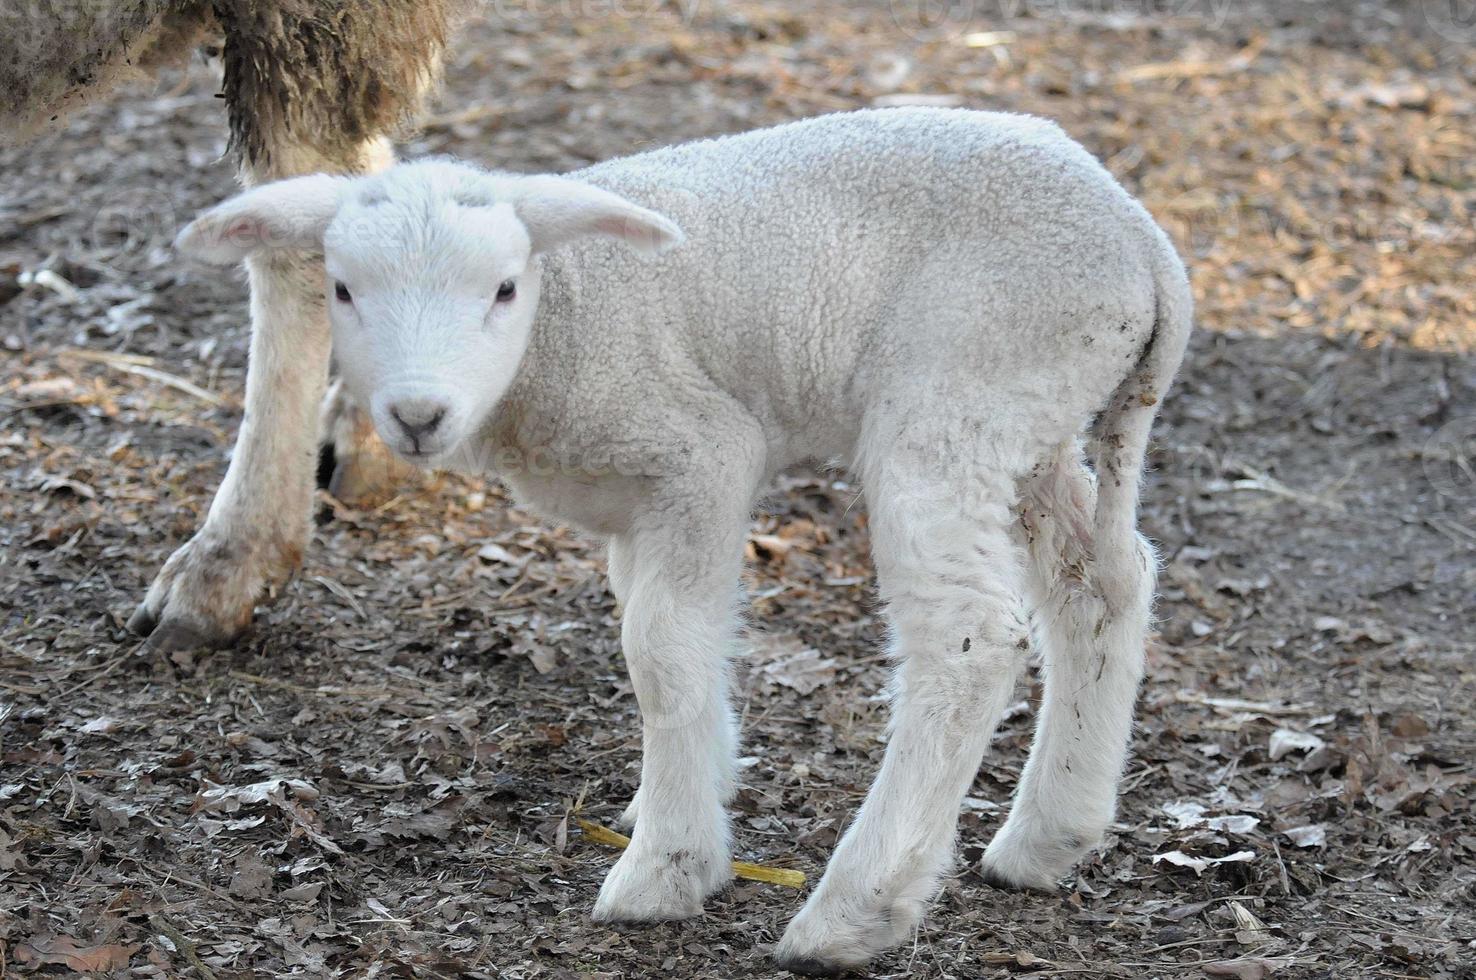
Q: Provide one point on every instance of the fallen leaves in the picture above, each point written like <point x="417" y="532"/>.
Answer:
<point x="432" y="823"/>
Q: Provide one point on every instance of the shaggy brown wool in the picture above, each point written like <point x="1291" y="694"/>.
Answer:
<point x="56" y="55"/>
<point x="325" y="74"/>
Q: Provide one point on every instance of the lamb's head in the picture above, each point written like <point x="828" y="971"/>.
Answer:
<point x="432" y="279"/>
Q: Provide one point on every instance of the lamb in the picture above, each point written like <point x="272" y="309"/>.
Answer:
<point x="960" y="305"/>
<point x="309" y="86"/>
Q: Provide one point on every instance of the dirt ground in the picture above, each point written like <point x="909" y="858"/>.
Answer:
<point x="383" y="779"/>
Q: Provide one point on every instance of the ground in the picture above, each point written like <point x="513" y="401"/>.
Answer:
<point x="384" y="778"/>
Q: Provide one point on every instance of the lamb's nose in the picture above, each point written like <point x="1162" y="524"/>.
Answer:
<point x="418" y="417"/>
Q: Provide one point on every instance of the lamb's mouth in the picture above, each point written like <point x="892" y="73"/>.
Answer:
<point x="418" y="455"/>
<point x="443" y="456"/>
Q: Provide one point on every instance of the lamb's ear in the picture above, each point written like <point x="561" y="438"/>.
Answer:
<point x="287" y="214"/>
<point x="558" y="210"/>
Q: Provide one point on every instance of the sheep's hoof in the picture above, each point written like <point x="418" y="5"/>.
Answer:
<point x="354" y="464"/>
<point x="174" y="635"/>
<point x="368" y="474"/>
<point x="206" y="592"/>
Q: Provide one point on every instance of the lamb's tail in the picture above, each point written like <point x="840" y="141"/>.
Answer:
<point x="1120" y="434"/>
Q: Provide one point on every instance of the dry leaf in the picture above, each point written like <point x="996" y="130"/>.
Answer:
<point x="64" y="951"/>
<point x="1285" y="741"/>
<point x="301" y="893"/>
<point x="1250" y="968"/>
<point x="1199" y="864"/>
<point x="1312" y="835"/>
<point x="787" y="661"/>
<point x="1187" y="815"/>
<point x="1249" y="930"/>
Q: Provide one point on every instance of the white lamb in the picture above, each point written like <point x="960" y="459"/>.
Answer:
<point x="948" y="301"/>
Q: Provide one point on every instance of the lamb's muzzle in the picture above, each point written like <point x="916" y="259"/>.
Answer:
<point x="946" y="299"/>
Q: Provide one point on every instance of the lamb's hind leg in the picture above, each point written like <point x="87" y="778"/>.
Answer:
<point x="953" y="582"/>
<point x="1092" y="585"/>
<point x="619" y="561"/>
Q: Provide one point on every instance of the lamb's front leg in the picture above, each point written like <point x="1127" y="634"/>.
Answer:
<point x="258" y="525"/>
<point x="678" y="631"/>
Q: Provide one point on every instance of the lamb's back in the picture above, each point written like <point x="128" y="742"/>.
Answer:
<point x="825" y="256"/>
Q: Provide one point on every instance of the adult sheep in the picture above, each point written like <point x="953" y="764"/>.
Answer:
<point x="952" y="302"/>
<point x="310" y="86"/>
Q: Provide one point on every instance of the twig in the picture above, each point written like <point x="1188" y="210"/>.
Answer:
<point x="342" y="593"/>
<point x="129" y="365"/>
<point x="185" y="947"/>
<point x="1286" y="888"/>
<point x="108" y="669"/>
<point x="324" y="691"/>
<point x="1194" y="69"/>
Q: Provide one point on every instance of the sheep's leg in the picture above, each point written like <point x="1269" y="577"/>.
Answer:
<point x="678" y="631"/>
<point x="953" y="581"/>
<point x="258" y="525"/>
<point x="1092" y="591"/>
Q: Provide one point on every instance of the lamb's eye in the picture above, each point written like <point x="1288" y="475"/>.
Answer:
<point x="341" y="292"/>
<point x="507" y="291"/>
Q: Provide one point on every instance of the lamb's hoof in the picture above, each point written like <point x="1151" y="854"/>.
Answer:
<point x="831" y="936"/>
<point x="1013" y="863"/>
<point x="810" y="967"/>
<point x="205" y="594"/>
<point x="1040" y="885"/>
<point x="660" y="887"/>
